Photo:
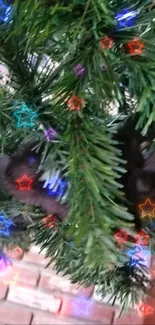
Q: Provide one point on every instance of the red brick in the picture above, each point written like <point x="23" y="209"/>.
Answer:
<point x="53" y="281"/>
<point x="3" y="291"/>
<point x="11" y="315"/>
<point x="9" y="276"/>
<point x="34" y="299"/>
<point x="26" y="274"/>
<point x="128" y="319"/>
<point x="46" y="318"/>
<point x="95" y="312"/>
<point x="34" y="257"/>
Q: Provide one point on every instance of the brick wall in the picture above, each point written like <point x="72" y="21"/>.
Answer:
<point x="31" y="294"/>
<point x="150" y="301"/>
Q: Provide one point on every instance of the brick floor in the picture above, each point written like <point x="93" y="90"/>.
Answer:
<point x="33" y="295"/>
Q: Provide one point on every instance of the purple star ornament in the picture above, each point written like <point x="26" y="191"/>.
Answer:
<point x="79" y="70"/>
<point x="50" y="134"/>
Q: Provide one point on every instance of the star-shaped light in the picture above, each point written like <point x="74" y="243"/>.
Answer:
<point x="82" y="306"/>
<point x="143" y="309"/>
<point x="107" y="42"/>
<point x="5" y="223"/>
<point x="135" y="47"/>
<point x="141" y="238"/>
<point x="103" y="67"/>
<point x="134" y="251"/>
<point x="121" y="236"/>
<point x="50" y="221"/>
<point x="56" y="186"/>
<point x="134" y="262"/>
<point x="137" y="250"/>
<point x="125" y="18"/>
<point x="5" y="11"/>
<point x="138" y="254"/>
<point x="24" y="183"/>
<point x="79" y="70"/>
<point x="148" y="209"/>
<point x="50" y="134"/>
<point x="25" y="116"/>
<point x="75" y="103"/>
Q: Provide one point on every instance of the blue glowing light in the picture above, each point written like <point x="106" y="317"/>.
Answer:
<point x="134" y="262"/>
<point x="5" y="223"/>
<point x="5" y="11"/>
<point x="137" y="250"/>
<point x="82" y="306"/>
<point x="57" y="187"/>
<point x="125" y="18"/>
<point x="25" y="116"/>
<point x="32" y="159"/>
<point x="152" y="225"/>
<point x="134" y="251"/>
<point x="143" y="254"/>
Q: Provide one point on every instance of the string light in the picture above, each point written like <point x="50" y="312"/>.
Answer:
<point x="125" y="18"/>
<point x="107" y="42"/>
<point x="79" y="70"/>
<point x="50" y="134"/>
<point x="135" y="47"/>
<point x="75" y="103"/>
<point x="5" y="224"/>
<point x="5" y="11"/>
<point x="24" y="183"/>
<point x="25" y="116"/>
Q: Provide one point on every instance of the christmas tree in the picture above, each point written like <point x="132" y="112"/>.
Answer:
<point x="76" y="71"/>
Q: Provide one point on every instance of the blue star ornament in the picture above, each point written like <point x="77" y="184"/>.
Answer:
<point x="134" y="262"/>
<point x="125" y="18"/>
<point x="144" y="254"/>
<point x="58" y="189"/>
<point x="134" y="251"/>
<point x="55" y="185"/>
<point x="5" y="223"/>
<point x="5" y="11"/>
<point x="82" y="306"/>
<point x="25" y="116"/>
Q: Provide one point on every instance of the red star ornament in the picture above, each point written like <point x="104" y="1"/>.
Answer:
<point x="141" y="238"/>
<point x="75" y="103"/>
<point x="135" y="47"/>
<point x="107" y="42"/>
<point x="148" y="209"/>
<point x="49" y="221"/>
<point x="24" y="183"/>
<point x="121" y="237"/>
<point x="144" y="309"/>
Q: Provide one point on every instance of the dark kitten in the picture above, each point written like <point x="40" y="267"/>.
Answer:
<point x="139" y="181"/>
<point x="26" y="162"/>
